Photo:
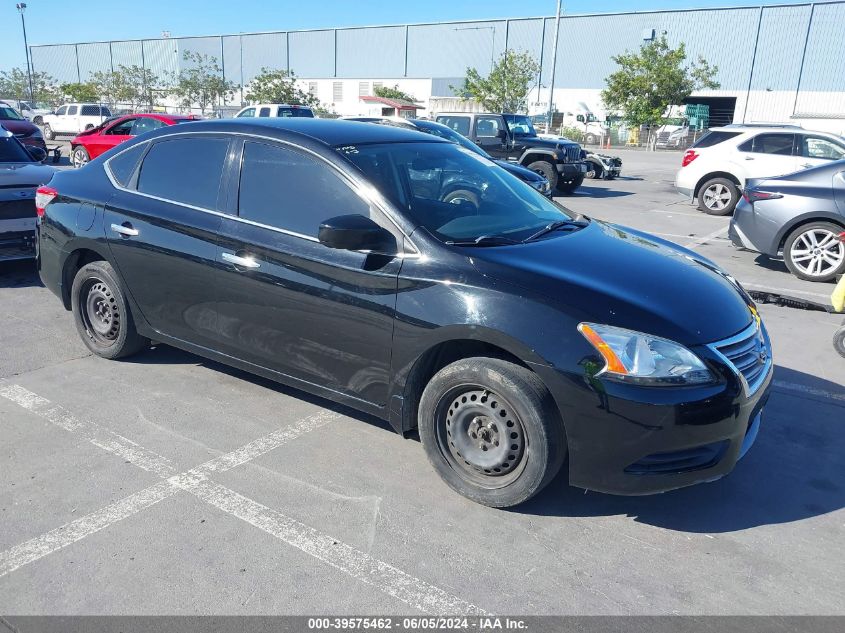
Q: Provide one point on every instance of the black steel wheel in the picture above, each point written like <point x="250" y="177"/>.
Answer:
<point x="101" y="313"/>
<point x="839" y="341"/>
<point x="491" y="430"/>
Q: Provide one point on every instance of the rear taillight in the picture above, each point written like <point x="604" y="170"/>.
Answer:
<point x="753" y="195"/>
<point x="43" y="196"/>
<point x="689" y="156"/>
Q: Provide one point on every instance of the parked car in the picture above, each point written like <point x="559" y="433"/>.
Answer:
<point x="800" y="215"/>
<point x="515" y="336"/>
<point x="26" y="109"/>
<point x="603" y="166"/>
<point x="26" y="132"/>
<point x="20" y="174"/>
<point x="716" y="167"/>
<point x="275" y="110"/>
<point x="113" y="132"/>
<point x="470" y="191"/>
<point x="73" y="118"/>
<point x="512" y="137"/>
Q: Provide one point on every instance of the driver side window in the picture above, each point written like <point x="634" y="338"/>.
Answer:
<point x="487" y="127"/>
<point x="61" y="111"/>
<point x="124" y="128"/>
<point x="249" y="112"/>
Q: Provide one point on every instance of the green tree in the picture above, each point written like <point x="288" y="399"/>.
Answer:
<point x="506" y="87"/>
<point x="15" y="83"/>
<point x="202" y="82"/>
<point x="86" y="91"/>
<point x="387" y="92"/>
<point x="650" y="81"/>
<point x="131" y="85"/>
<point x="278" y="86"/>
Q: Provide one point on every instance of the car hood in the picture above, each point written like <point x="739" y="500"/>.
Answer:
<point x="18" y="127"/>
<point x="537" y="141"/>
<point x="13" y="174"/>
<point x="519" y="171"/>
<point x="610" y="274"/>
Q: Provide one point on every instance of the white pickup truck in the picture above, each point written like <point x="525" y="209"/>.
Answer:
<point x="73" y="118"/>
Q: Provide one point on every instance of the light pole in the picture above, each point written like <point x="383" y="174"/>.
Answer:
<point x="554" y="69"/>
<point x="21" y="6"/>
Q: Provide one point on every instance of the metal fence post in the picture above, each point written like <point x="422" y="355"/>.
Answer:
<point x="76" y="54"/>
<point x="144" y="77"/>
<point x="405" y="71"/>
<point x="753" y="62"/>
<point x="335" y="53"/>
<point x="287" y="50"/>
<point x="223" y="68"/>
<point x="803" y="56"/>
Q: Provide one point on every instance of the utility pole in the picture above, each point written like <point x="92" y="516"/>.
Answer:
<point x="21" y="7"/>
<point x="554" y="69"/>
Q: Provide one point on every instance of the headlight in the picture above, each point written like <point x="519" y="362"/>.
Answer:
<point x="645" y="359"/>
<point x="540" y="185"/>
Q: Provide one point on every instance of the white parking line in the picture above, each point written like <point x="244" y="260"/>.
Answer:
<point x="361" y="566"/>
<point x="706" y="238"/>
<point x="810" y="391"/>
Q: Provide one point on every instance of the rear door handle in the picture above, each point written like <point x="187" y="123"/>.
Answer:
<point x="244" y="262"/>
<point x="126" y="231"/>
<point x="807" y="165"/>
<point x="749" y="158"/>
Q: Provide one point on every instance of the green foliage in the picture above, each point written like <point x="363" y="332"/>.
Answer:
<point x="386" y="92"/>
<point x="650" y="81"/>
<point x="84" y="92"/>
<point x="572" y="133"/>
<point x="15" y="83"/>
<point x="131" y="85"/>
<point x="201" y="82"/>
<point x="278" y="86"/>
<point x="506" y="87"/>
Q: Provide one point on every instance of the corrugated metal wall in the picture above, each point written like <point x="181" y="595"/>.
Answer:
<point x="794" y="48"/>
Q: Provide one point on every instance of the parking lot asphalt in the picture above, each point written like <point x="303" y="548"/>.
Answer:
<point x="168" y="484"/>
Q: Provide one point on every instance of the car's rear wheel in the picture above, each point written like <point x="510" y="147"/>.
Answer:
<point x="48" y="132"/>
<point x="814" y="252"/>
<point x="570" y="185"/>
<point x="596" y="171"/>
<point x="89" y="127"/>
<point x="839" y="341"/>
<point x="80" y="156"/>
<point x="589" y="139"/>
<point x="545" y="169"/>
<point x="718" y="196"/>
<point x="101" y="313"/>
<point x="491" y="430"/>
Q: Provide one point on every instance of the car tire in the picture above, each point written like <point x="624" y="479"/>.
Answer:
<point x="597" y="171"/>
<point x="813" y="252"/>
<point x="101" y="313"/>
<point x="48" y="132"/>
<point x="569" y="186"/>
<point x="545" y="169"/>
<point x="79" y="156"/>
<point x="839" y="341"/>
<point x="589" y="139"/>
<point x="89" y="127"/>
<point x="462" y="195"/>
<point x="38" y="120"/>
<point x="503" y="419"/>
<point x="718" y="196"/>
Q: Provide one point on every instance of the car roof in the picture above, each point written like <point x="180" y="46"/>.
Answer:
<point x="758" y="128"/>
<point x="282" y="105"/>
<point x="331" y="132"/>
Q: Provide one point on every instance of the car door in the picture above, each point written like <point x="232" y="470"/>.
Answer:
<point x="162" y="227"/>
<point x="488" y="131"/>
<point x="290" y="304"/>
<point x="70" y="122"/>
<point x="114" y="134"/>
<point x="768" y="154"/>
<point x="57" y="120"/>
<point x="815" y="150"/>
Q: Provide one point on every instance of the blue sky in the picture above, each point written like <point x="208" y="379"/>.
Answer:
<point x="60" y="21"/>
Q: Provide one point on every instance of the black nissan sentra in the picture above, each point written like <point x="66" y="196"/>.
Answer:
<point x="514" y="335"/>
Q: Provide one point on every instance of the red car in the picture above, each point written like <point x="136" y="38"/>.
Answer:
<point x="115" y="131"/>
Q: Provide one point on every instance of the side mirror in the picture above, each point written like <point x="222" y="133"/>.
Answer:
<point x="356" y="233"/>
<point x="37" y="154"/>
<point x="502" y="134"/>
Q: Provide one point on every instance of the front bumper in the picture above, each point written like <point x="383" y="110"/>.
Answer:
<point x="33" y="141"/>
<point x="571" y="170"/>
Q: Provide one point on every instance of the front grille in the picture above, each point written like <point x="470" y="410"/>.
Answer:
<point x="14" y="209"/>
<point x="749" y="353"/>
<point x="679" y="461"/>
<point x="572" y="154"/>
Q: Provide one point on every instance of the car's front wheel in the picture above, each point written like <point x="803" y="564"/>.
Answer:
<point x="718" y="196"/>
<point x="491" y="430"/>
<point x="48" y="132"/>
<point x="79" y="157"/>
<point x="102" y="314"/>
<point x="545" y="169"/>
<point x="814" y="252"/>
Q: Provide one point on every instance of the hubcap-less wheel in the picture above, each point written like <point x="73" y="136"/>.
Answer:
<point x="717" y="197"/>
<point x="817" y="252"/>
<point x="80" y="157"/>
<point x="481" y="436"/>
<point x="100" y="312"/>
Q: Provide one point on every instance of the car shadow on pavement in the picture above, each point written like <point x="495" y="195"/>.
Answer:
<point x="19" y="274"/>
<point x="795" y="471"/>
<point x="763" y="261"/>
<point x="597" y="192"/>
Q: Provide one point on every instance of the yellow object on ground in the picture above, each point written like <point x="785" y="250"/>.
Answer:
<point x="838" y="296"/>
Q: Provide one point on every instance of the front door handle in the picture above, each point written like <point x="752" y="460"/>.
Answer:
<point x="126" y="231"/>
<point x="749" y="158"/>
<point x="244" y="262"/>
<point x="807" y="165"/>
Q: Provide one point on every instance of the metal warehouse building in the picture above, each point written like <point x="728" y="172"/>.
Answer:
<point x="776" y="63"/>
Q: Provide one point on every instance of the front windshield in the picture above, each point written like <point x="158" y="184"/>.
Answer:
<point x="520" y="124"/>
<point x="449" y="134"/>
<point x="11" y="151"/>
<point x="9" y="114"/>
<point x="455" y="194"/>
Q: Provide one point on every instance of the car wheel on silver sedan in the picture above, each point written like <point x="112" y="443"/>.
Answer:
<point x="814" y="252"/>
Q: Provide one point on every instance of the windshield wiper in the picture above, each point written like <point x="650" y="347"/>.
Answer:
<point x="554" y="226"/>
<point x="484" y="240"/>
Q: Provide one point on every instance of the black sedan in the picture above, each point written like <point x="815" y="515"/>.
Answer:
<point x="514" y="335"/>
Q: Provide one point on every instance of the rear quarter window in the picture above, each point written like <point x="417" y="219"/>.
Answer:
<point x="714" y="137"/>
<point x="123" y="165"/>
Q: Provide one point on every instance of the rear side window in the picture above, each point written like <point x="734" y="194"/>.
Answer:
<point x="714" y="138"/>
<point x="820" y="147"/>
<point x="186" y="170"/>
<point x="295" y="112"/>
<point x="777" y="144"/>
<point x="288" y="190"/>
<point x="458" y="123"/>
<point x="145" y="124"/>
<point x="123" y="165"/>
<point x="90" y="110"/>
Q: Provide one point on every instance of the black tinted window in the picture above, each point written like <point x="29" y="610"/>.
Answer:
<point x="185" y="170"/>
<point x="90" y="110"/>
<point x="288" y="190"/>
<point x="778" y="144"/>
<point x="458" y="123"/>
<point x="123" y="165"/>
<point x="714" y="138"/>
